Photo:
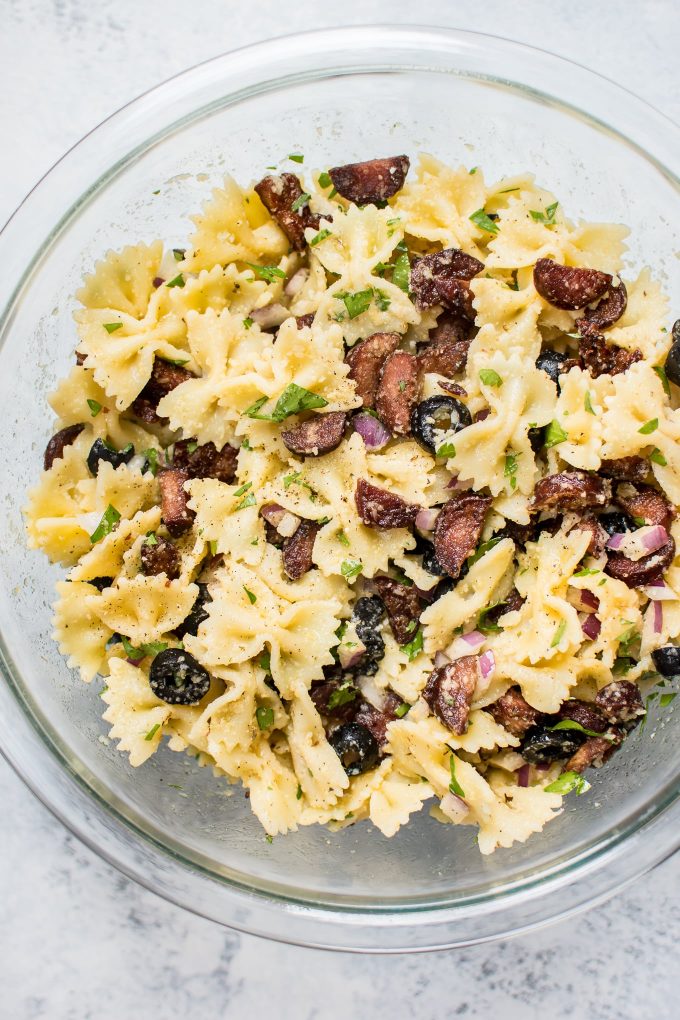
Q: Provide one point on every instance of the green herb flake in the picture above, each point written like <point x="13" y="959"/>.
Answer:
<point x="178" y="362"/>
<point x="649" y="427"/>
<point x="667" y="698"/>
<point x="298" y="795"/>
<point x="586" y="572"/>
<point x="547" y="217"/>
<point x="179" y="254"/>
<point x="484" y="222"/>
<point x="486" y="626"/>
<point x="473" y="170"/>
<point x="571" y="724"/>
<point x="151" y="458"/>
<point x="252" y="597"/>
<point x="300" y="201"/>
<point x="296" y="157"/>
<point x="555" y="434"/>
<point x="94" y="406"/>
<point x="247" y="322"/>
<point x="587" y="403"/>
<point x="661" y="372"/>
<point x="510" y="470"/>
<point x="567" y="782"/>
<point x="268" y="273"/>
<point x="446" y="450"/>
<point x="351" y="568"/>
<point x="192" y="446"/>
<point x="401" y="270"/>
<point x="213" y="546"/>
<point x="454" y="785"/>
<point x="381" y="300"/>
<point x="150" y="538"/>
<point x="248" y="500"/>
<point x="325" y="180"/>
<point x="657" y="457"/>
<point x="293" y="400"/>
<point x="490" y="377"/>
<point x="243" y="488"/>
<point x="402" y="385"/>
<point x="264" y="662"/>
<point x="342" y="695"/>
<point x="321" y="236"/>
<point x="111" y="327"/>
<point x="482" y="549"/>
<point x="178" y="281"/>
<point x="342" y="538"/>
<point x="269" y="839"/>
<point x="401" y="711"/>
<point x="559" y="633"/>
<point x="152" y="732"/>
<point x="414" y="647"/>
<point x="106" y="525"/>
<point x="356" y="303"/>
<point x="265" y="717"/>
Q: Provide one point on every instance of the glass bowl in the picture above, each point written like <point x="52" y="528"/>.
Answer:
<point x="335" y="96"/>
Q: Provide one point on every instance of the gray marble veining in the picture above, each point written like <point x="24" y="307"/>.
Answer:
<point x="79" y="941"/>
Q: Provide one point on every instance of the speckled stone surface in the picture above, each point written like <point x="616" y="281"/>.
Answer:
<point x="78" y="940"/>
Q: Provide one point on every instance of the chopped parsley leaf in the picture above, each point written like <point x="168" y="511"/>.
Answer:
<point x="153" y="731"/>
<point x="213" y="546"/>
<point x="484" y="222"/>
<point x="111" y="327"/>
<point x="414" y="647"/>
<point x="296" y="157"/>
<point x="178" y="281"/>
<point x="482" y="549"/>
<point x="265" y="717"/>
<point x="343" y="694"/>
<point x="325" y="180"/>
<point x="555" y="434"/>
<point x="355" y="303"/>
<point x="252" y="597"/>
<point x="300" y="201"/>
<point x="488" y="627"/>
<point x="567" y="782"/>
<point x="490" y="377"/>
<point x="293" y="400"/>
<point x="559" y="633"/>
<point x="547" y="217"/>
<point x="192" y="446"/>
<point x="657" y="457"/>
<point x="511" y="469"/>
<point x="179" y="253"/>
<point x="94" y="406"/>
<point x="649" y="427"/>
<point x="661" y="372"/>
<point x="298" y="795"/>
<point x="247" y="322"/>
<point x="151" y="538"/>
<point x="401" y="271"/>
<point x="151" y="458"/>
<point x="586" y="572"/>
<point x="571" y="724"/>
<point x="106" y="525"/>
<point x="381" y="300"/>
<point x="264" y="662"/>
<point x="454" y="785"/>
<point x="351" y="568"/>
<point x="342" y="538"/>
<point x="321" y="236"/>
<point x="402" y="710"/>
<point x="267" y="273"/>
<point x="587" y="403"/>
<point x="446" y="450"/>
<point x="243" y="488"/>
<point x="667" y="698"/>
<point x="248" y="500"/>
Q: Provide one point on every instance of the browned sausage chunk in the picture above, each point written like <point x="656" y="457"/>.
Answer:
<point x="571" y="490"/>
<point x="397" y="392"/>
<point x="598" y="536"/>
<point x="584" y="713"/>
<point x="175" y="511"/>
<point x="206" y="461"/>
<point x="402" y="606"/>
<point x="279" y="194"/>
<point x="569" y="287"/>
<point x="608" y="311"/>
<point x="366" y="360"/>
<point x="303" y="321"/>
<point x="445" y="357"/>
<point x="443" y="278"/>
<point x="373" y="181"/>
<point x="636" y="573"/>
<point x="449" y="691"/>
<point x="601" y="358"/>
<point x="625" y="469"/>
<point x="58" y="443"/>
<point x="593" y="753"/>
<point x="514" y="713"/>
<point x="377" y="720"/>
<point x="380" y="508"/>
<point x="646" y="504"/>
<point x="317" y="435"/>
<point x="161" y="557"/>
<point x="620" y="701"/>
<point x="321" y="694"/>
<point x="458" y="529"/>
<point x="164" y="379"/>
<point x="297" y="550"/>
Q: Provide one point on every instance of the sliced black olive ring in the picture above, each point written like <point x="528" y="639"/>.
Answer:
<point x="432" y="418"/>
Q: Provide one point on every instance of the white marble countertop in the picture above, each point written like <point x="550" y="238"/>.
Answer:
<point x="78" y="940"/>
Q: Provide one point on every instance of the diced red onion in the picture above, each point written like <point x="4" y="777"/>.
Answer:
<point x="158" y="280"/>
<point x="135" y="662"/>
<point x="591" y="626"/>
<point x="473" y="638"/>
<point x="658" y="617"/>
<point x="483" y="414"/>
<point x="655" y="538"/>
<point x="454" y="807"/>
<point x="615" y="540"/>
<point x="487" y="664"/>
<point x="272" y="513"/>
<point x="285" y="522"/>
<point x="426" y="519"/>
<point x="426" y="594"/>
<point x="543" y="767"/>
<point x="582" y="599"/>
<point x="270" y="315"/>
<point x="523" y="775"/>
<point x="441" y="659"/>
<point x="374" y="434"/>
<point x="349" y="657"/>
<point x="460" y="484"/>
<point x="296" y="282"/>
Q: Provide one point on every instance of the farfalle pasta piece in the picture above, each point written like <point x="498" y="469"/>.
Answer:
<point x="135" y="713"/>
<point x="107" y="557"/>
<point x="320" y="773"/>
<point x="233" y="226"/>
<point x="78" y="631"/>
<point x="579" y="411"/>
<point x="228" y="515"/>
<point x="395" y="800"/>
<point x="488" y="580"/>
<point x="357" y="241"/>
<point x="404" y="673"/>
<point x="514" y="813"/>
<point x="144" y="608"/>
<point x="642" y="326"/>
<point x="123" y="280"/>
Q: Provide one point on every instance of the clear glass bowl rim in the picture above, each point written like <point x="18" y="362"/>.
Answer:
<point x="613" y="861"/>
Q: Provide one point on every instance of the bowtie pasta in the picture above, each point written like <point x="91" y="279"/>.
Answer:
<point x="368" y="495"/>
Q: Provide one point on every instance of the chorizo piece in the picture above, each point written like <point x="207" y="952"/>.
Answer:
<point x="570" y="490"/>
<point x="449" y="691"/>
<point x="366" y="360"/>
<point x="397" y="392"/>
<point x="458" y="529"/>
<point x="175" y="511"/>
<point x="569" y="287"/>
<point x="380" y="508"/>
<point x="374" y="180"/>
<point x="402" y="606"/>
<point x="316" y="436"/>
<point x="280" y="194"/>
